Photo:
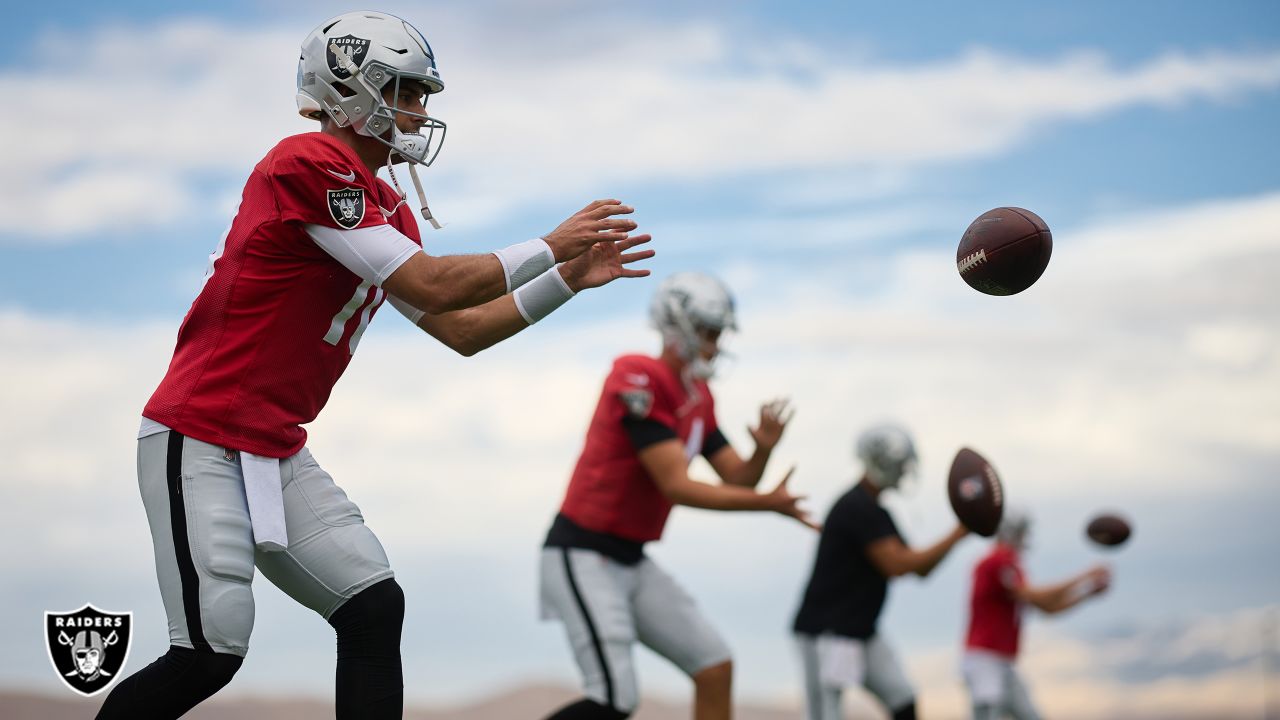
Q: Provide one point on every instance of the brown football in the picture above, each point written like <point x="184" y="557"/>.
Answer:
<point x="977" y="497"/>
<point x="1109" y="529"/>
<point x="1004" y="251"/>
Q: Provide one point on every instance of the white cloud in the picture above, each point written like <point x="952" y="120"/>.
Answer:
<point x="139" y="116"/>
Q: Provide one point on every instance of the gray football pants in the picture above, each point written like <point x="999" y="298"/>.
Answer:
<point x="995" y="688"/>
<point x="832" y="663"/>
<point x="606" y="607"/>
<point x="203" y="540"/>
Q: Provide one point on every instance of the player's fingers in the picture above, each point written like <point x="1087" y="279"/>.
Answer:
<point x="610" y="236"/>
<point x="632" y="257"/>
<point x="614" y="224"/>
<point x="607" y="210"/>
<point x="786" y="478"/>
<point x="634" y="240"/>
<point x="629" y="273"/>
<point x="594" y="204"/>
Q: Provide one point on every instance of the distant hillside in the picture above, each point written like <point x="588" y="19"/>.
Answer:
<point x="526" y="703"/>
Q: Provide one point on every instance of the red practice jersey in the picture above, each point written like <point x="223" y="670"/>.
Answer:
<point x="610" y="491"/>
<point x="277" y="319"/>
<point x="995" y="615"/>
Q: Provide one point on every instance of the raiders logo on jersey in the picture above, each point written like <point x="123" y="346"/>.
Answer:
<point x="637" y="401"/>
<point x="347" y="206"/>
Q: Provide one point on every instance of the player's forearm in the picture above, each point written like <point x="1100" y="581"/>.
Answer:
<point x="1053" y="598"/>
<point x="472" y="330"/>
<point x="439" y="285"/>
<point x="749" y="473"/>
<point x="714" y="497"/>
<point x="930" y="557"/>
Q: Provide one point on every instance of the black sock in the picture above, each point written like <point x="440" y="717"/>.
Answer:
<point x="370" y="681"/>
<point x="906" y="712"/>
<point x="176" y="682"/>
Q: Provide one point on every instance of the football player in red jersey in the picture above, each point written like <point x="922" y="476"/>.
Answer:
<point x="318" y="244"/>
<point x="654" y="415"/>
<point x="1000" y="591"/>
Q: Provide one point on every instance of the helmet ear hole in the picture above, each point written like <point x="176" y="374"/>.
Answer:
<point x="342" y="90"/>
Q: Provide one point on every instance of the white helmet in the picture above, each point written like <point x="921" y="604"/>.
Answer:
<point x="348" y="61"/>
<point x="1015" y="527"/>
<point x="685" y="304"/>
<point x="887" y="453"/>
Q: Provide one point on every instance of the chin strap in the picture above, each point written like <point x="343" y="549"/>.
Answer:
<point x="422" y="198"/>
<point x="417" y="185"/>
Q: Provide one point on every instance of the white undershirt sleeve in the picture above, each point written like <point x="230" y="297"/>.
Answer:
<point x="412" y="313"/>
<point x="373" y="253"/>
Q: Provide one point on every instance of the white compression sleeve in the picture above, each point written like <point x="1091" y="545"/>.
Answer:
<point x="373" y="253"/>
<point x="410" y="312"/>
<point x="525" y="261"/>
<point x="542" y="295"/>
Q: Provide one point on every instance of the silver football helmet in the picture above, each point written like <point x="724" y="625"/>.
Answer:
<point x="346" y="64"/>
<point x="1015" y="527"/>
<point x="685" y="306"/>
<point x="887" y="454"/>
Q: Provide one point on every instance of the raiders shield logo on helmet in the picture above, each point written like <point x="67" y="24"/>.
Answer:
<point x="345" y="54"/>
<point x="88" y="647"/>
<point x="347" y="206"/>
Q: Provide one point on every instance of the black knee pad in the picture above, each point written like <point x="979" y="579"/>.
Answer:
<point x="906" y="712"/>
<point x="369" y="624"/>
<point x="587" y="709"/>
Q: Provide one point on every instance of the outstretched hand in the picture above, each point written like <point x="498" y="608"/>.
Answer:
<point x="781" y="501"/>
<point x="1099" y="579"/>
<point x="604" y="263"/>
<point x="774" y="416"/>
<point x="592" y="224"/>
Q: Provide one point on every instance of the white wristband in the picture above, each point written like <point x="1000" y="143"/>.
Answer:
<point x="525" y="261"/>
<point x="542" y="295"/>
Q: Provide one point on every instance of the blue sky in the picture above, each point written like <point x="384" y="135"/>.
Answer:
<point x="822" y="157"/>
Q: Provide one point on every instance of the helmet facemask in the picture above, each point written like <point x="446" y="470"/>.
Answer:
<point x="380" y="123"/>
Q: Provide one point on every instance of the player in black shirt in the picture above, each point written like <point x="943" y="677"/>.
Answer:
<point x="860" y="550"/>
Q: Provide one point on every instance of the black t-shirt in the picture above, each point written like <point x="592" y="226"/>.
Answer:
<point x="845" y="592"/>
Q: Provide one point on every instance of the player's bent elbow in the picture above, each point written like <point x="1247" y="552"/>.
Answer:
<point x="462" y="342"/>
